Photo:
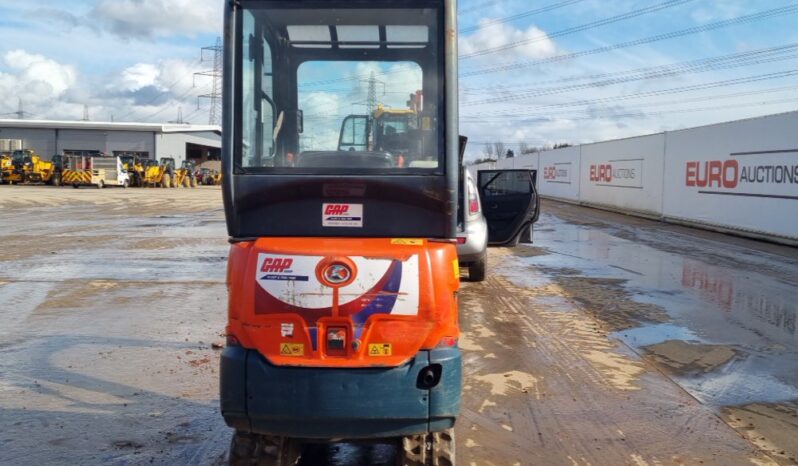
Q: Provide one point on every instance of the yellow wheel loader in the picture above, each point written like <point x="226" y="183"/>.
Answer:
<point x="135" y="169"/>
<point x="185" y="176"/>
<point x="157" y="175"/>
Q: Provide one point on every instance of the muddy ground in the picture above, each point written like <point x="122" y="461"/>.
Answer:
<point x="610" y="341"/>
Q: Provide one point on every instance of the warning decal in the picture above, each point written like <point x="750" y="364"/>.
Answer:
<point x="380" y="349"/>
<point x="292" y="349"/>
<point x="407" y="242"/>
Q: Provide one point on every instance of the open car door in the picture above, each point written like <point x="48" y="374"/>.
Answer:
<point x="510" y="204"/>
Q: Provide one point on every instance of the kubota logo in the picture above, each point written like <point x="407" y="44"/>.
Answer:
<point x="276" y="265"/>
<point x="337" y="273"/>
<point x="336" y="209"/>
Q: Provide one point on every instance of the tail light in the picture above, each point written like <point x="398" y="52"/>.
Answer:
<point x="336" y="341"/>
<point x="461" y="240"/>
<point x="473" y="206"/>
<point x="447" y="342"/>
<point x="473" y="200"/>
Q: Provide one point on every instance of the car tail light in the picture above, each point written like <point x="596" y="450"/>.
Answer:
<point x="461" y="240"/>
<point x="473" y="206"/>
<point x="473" y="201"/>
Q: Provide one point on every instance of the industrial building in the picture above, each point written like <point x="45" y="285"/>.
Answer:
<point x="180" y="141"/>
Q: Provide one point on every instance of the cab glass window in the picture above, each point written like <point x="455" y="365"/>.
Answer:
<point x="342" y="90"/>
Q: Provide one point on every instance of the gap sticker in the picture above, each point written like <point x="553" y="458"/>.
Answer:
<point x="280" y="269"/>
<point x="342" y="215"/>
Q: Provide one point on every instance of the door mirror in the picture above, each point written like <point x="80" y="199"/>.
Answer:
<point x="354" y="133"/>
<point x="509" y="204"/>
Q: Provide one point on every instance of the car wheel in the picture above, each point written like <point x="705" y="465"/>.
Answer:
<point x="477" y="270"/>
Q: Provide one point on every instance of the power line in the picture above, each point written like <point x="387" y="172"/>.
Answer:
<point x="710" y="63"/>
<point x="675" y="90"/>
<point x="745" y="19"/>
<point x="525" y="14"/>
<point x="638" y="115"/>
<point x="526" y="94"/>
<point x="538" y="112"/>
<point x="575" y="29"/>
<point x="646" y="40"/>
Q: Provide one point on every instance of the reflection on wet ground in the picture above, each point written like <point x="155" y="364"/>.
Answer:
<point x="715" y="313"/>
<point x="719" y="304"/>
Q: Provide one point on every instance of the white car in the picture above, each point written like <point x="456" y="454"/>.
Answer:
<point x="500" y="209"/>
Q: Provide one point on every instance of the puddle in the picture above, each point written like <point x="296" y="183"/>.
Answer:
<point x="653" y="334"/>
<point x="656" y="289"/>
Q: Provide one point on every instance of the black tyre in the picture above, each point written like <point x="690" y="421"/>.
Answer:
<point x="56" y="180"/>
<point x="526" y="235"/>
<point x="435" y="449"/>
<point x="76" y="186"/>
<point x="247" y="449"/>
<point x="477" y="270"/>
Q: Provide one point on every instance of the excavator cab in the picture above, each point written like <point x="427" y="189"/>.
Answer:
<point x="343" y="271"/>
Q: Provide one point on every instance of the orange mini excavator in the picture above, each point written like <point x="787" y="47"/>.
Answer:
<point x="343" y="272"/>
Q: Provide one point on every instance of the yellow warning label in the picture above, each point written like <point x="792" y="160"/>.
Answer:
<point x="407" y="242"/>
<point x="456" y="266"/>
<point x="380" y="349"/>
<point x="292" y="349"/>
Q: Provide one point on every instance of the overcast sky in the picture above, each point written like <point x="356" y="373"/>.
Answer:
<point x="526" y="78"/>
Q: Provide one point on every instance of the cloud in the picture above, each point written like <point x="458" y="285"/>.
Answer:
<point x="34" y="78"/>
<point x="139" y="92"/>
<point x="138" y="76"/>
<point x="491" y="36"/>
<point x="158" y="18"/>
<point x="139" y="19"/>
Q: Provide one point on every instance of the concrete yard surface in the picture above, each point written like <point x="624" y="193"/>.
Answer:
<point x="610" y="341"/>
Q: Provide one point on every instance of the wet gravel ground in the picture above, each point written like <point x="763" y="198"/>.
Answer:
<point x="611" y="340"/>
